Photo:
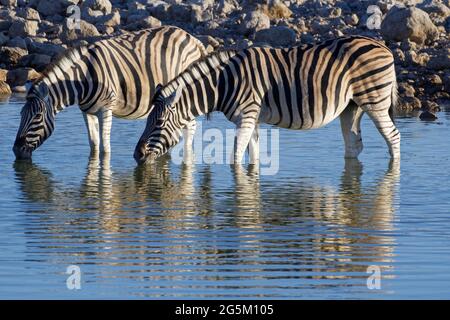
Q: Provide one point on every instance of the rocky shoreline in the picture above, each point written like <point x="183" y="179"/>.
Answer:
<point x="34" y="32"/>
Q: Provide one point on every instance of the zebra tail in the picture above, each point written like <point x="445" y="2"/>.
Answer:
<point x="394" y="100"/>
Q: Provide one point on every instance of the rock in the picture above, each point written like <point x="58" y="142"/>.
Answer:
<point x="225" y="7"/>
<point x="277" y="36"/>
<point x="29" y="14"/>
<point x="19" y="77"/>
<point x="420" y="59"/>
<point x="3" y="74"/>
<point x="53" y="7"/>
<point x="409" y="103"/>
<point x="351" y="20"/>
<point x="102" y="5"/>
<point x="11" y="55"/>
<point x="277" y="10"/>
<point x="406" y="90"/>
<point x="17" y="42"/>
<point x="10" y="3"/>
<point x="446" y="82"/>
<point x="3" y="38"/>
<point x="149" y="22"/>
<point x="112" y="20"/>
<point x="199" y="14"/>
<point x="408" y="23"/>
<point x="5" y="89"/>
<point x="36" y="61"/>
<point x="427" y="116"/>
<point x="440" y="61"/>
<point x="253" y="22"/>
<point x="86" y="31"/>
<point x="180" y="12"/>
<point x="23" y="28"/>
<point x="44" y="48"/>
<point x="19" y="89"/>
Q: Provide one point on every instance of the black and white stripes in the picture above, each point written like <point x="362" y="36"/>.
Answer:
<point x="297" y="88"/>
<point x="113" y="77"/>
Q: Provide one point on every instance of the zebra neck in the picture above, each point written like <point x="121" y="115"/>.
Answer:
<point x="62" y="92"/>
<point x="200" y="84"/>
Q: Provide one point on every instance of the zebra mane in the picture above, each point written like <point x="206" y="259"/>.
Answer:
<point x="64" y="61"/>
<point x="198" y="69"/>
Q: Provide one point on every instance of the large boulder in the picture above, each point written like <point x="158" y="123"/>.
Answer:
<point x="279" y="36"/>
<point x="408" y="23"/>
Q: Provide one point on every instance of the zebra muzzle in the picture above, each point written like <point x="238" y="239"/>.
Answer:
<point x="21" y="151"/>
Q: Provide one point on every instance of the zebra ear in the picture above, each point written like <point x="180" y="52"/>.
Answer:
<point x="43" y="89"/>
<point x="174" y="97"/>
<point x="158" y="89"/>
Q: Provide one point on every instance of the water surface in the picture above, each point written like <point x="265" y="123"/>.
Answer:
<point x="213" y="231"/>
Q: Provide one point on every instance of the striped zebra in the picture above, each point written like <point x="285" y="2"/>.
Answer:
<point x="112" y="77"/>
<point x="302" y="87"/>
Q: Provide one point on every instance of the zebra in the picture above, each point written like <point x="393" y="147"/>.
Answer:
<point x="303" y="87"/>
<point x="111" y="77"/>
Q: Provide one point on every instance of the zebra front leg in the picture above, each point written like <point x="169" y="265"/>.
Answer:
<point x="243" y="136"/>
<point x="105" y="121"/>
<point x="188" y="137"/>
<point x="253" y="147"/>
<point x="351" y="130"/>
<point x="93" y="132"/>
<point x="388" y="130"/>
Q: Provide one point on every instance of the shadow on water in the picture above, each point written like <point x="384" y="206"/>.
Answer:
<point x="167" y="225"/>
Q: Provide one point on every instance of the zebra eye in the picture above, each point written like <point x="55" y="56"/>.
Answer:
<point x="38" y="117"/>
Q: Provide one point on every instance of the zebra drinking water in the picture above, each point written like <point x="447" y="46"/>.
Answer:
<point x="113" y="77"/>
<point x="302" y="87"/>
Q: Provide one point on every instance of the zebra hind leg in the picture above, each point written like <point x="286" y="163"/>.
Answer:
<point x="351" y="130"/>
<point x="387" y="129"/>
<point x="92" y="126"/>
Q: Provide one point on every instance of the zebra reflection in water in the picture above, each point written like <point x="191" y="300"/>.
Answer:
<point x="322" y="228"/>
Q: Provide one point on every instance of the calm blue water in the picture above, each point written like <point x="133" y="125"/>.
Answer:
<point x="210" y="231"/>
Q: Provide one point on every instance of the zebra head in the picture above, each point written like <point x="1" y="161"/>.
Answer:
<point x="163" y="128"/>
<point x="37" y="121"/>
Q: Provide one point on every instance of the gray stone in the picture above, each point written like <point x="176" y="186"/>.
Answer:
<point x="408" y="23"/>
<point x="10" y="3"/>
<point x="440" y="61"/>
<point x="23" y="28"/>
<point x="276" y="36"/>
<point x="35" y="60"/>
<point x="148" y="22"/>
<point x="11" y="55"/>
<point x="253" y="22"/>
<point x="44" y="48"/>
<point x="5" y="89"/>
<point x="86" y="31"/>
<point x="17" y="42"/>
<point x="102" y="5"/>
<point x="19" y="77"/>
<point x="29" y="14"/>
